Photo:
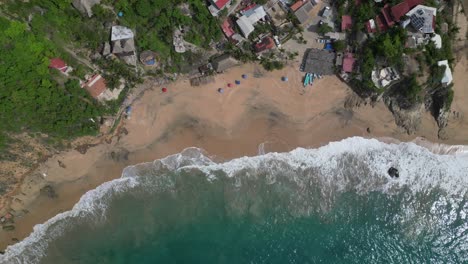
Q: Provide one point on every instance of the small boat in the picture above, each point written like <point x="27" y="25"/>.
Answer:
<point x="312" y="77"/>
<point x="306" y="79"/>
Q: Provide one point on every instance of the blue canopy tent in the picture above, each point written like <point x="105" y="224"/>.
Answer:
<point x="220" y="90"/>
<point x="237" y="82"/>
<point x="284" y="79"/>
<point x="244" y="76"/>
<point x="329" y="47"/>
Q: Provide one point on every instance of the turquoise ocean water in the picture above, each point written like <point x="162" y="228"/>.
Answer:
<point x="335" y="204"/>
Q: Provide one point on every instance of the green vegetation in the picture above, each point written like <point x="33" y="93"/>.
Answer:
<point x="339" y="45"/>
<point x="324" y="28"/>
<point x="155" y="21"/>
<point x="31" y="96"/>
<point x="271" y="65"/>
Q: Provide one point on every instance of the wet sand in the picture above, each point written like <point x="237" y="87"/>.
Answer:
<point x="260" y="114"/>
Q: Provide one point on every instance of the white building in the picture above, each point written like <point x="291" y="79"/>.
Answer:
<point x="447" y="78"/>
<point x="422" y="18"/>
<point x="247" y="21"/>
<point x="437" y="41"/>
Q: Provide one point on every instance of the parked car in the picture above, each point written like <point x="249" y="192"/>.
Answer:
<point x="277" y="42"/>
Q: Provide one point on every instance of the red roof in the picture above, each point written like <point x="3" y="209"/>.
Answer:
<point x="220" y="4"/>
<point x="413" y="3"/>
<point x="297" y="5"/>
<point x="267" y="43"/>
<point x="404" y="7"/>
<point x="380" y="24"/>
<point x="248" y="7"/>
<point x="400" y="10"/>
<point x="348" y="62"/>
<point x="59" y="64"/>
<point x="371" y="26"/>
<point x="346" y="22"/>
<point x="227" y="28"/>
<point x="96" y="85"/>
<point x="386" y="12"/>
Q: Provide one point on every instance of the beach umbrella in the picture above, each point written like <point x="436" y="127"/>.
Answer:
<point x="229" y="84"/>
<point x="220" y="90"/>
<point x="120" y="14"/>
<point x="244" y="76"/>
<point x="164" y="89"/>
<point x="237" y="82"/>
<point x="284" y="79"/>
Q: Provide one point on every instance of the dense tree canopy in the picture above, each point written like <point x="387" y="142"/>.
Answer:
<point x="30" y="97"/>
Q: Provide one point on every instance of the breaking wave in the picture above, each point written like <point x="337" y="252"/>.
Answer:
<point x="430" y="193"/>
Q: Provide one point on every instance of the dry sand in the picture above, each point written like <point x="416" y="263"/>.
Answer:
<point x="261" y="110"/>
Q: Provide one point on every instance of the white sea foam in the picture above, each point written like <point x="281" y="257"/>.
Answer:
<point x="419" y="168"/>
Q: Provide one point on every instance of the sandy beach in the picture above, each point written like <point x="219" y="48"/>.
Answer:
<point x="260" y="115"/>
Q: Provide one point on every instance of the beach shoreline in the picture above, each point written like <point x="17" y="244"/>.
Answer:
<point x="277" y="116"/>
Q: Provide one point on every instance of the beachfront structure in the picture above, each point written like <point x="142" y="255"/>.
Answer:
<point x="248" y="20"/>
<point x="217" y="5"/>
<point x="223" y="63"/>
<point x="123" y="44"/>
<point x="422" y="18"/>
<point x="447" y="77"/>
<point x="304" y="12"/>
<point x="318" y="61"/>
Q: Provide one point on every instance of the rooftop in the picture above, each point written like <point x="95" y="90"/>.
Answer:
<point x="247" y="21"/>
<point x="370" y="26"/>
<point x="423" y="18"/>
<point x="120" y="32"/>
<point x="266" y="43"/>
<point x="227" y="28"/>
<point x="348" y="62"/>
<point x="294" y="7"/>
<point x="318" y="61"/>
<point x="346" y="22"/>
<point x="303" y="13"/>
<point x="96" y="85"/>
<point x="220" y="4"/>
<point x="59" y="64"/>
<point x="402" y="8"/>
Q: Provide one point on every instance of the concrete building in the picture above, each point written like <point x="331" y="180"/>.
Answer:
<point x="247" y="21"/>
<point x="304" y="12"/>
<point x="422" y="18"/>
<point x="123" y="44"/>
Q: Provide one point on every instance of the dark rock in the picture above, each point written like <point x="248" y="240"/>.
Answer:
<point x="393" y="172"/>
<point x="8" y="228"/>
<point x="49" y="191"/>
<point x="368" y="130"/>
